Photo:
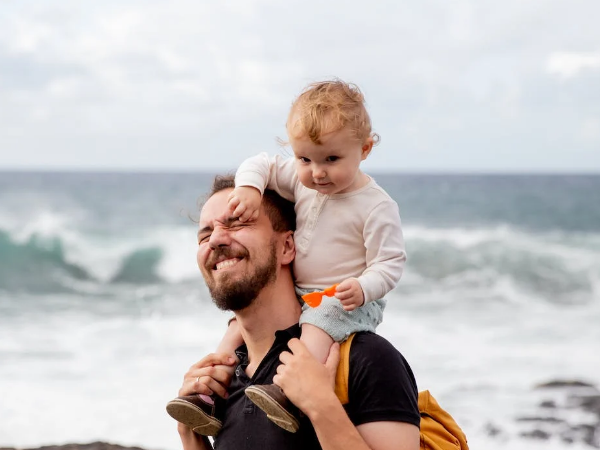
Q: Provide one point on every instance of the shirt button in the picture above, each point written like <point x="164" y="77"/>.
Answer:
<point x="238" y="371"/>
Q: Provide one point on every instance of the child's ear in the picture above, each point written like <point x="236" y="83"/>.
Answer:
<point x="367" y="147"/>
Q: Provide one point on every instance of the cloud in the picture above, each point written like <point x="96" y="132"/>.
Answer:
<point x="568" y="65"/>
<point x="181" y="84"/>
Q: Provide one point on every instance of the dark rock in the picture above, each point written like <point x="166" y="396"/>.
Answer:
<point x="90" y="446"/>
<point x="539" y="419"/>
<point x="566" y="437"/>
<point x="536" y="434"/>
<point x="590" y="403"/>
<point x="571" y="414"/>
<point x="564" y="384"/>
<point x="492" y="430"/>
<point x="583" y="432"/>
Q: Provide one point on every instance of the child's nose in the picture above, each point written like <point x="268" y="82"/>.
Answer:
<point x="318" y="172"/>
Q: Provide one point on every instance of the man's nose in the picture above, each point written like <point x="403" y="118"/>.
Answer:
<point x="219" y="237"/>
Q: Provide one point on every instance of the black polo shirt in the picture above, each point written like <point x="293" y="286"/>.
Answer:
<point x="381" y="388"/>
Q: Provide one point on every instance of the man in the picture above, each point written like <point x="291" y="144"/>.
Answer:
<point x="247" y="267"/>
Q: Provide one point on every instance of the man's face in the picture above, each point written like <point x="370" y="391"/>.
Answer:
<point x="236" y="259"/>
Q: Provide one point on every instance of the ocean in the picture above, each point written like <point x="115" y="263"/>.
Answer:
<point x="102" y="307"/>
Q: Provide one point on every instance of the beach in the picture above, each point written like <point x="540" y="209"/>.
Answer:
<point x="102" y="307"/>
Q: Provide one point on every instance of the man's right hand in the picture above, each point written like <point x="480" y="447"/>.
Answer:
<point x="207" y="377"/>
<point x="244" y="202"/>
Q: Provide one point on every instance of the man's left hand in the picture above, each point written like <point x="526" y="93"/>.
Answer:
<point x="306" y="382"/>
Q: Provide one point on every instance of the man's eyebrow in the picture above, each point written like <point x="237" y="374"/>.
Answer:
<point x="204" y="230"/>
<point x="226" y="222"/>
<point x="229" y="220"/>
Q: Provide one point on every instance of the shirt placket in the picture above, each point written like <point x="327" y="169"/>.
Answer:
<point x="316" y="207"/>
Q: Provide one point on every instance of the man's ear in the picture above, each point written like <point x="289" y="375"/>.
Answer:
<point x="367" y="147"/>
<point x="289" y="248"/>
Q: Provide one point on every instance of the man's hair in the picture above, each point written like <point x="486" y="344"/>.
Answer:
<point x="329" y="106"/>
<point x="280" y="211"/>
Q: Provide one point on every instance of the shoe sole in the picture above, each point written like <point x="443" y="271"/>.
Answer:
<point x="192" y="416"/>
<point x="275" y="412"/>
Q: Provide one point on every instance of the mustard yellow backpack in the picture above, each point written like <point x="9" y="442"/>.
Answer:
<point x="439" y="431"/>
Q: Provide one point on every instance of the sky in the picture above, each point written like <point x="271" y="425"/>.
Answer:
<point x="451" y="86"/>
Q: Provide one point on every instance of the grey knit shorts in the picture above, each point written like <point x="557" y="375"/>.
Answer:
<point x="337" y="322"/>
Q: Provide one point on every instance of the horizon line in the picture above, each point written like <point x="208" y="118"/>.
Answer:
<point x="182" y="171"/>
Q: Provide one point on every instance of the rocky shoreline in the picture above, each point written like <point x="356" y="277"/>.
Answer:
<point x="90" y="446"/>
<point x="566" y="410"/>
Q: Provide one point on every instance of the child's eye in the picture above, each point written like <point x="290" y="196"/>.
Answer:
<point x="332" y="158"/>
<point x="304" y="159"/>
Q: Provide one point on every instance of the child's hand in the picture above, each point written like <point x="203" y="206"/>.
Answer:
<point x="350" y="294"/>
<point x="244" y="202"/>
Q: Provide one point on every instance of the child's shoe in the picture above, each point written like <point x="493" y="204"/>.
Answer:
<point x="271" y="399"/>
<point x="196" y="413"/>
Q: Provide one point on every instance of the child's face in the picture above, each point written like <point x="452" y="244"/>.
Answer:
<point x="333" y="166"/>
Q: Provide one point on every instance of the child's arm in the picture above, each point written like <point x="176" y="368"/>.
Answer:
<point x="256" y="174"/>
<point x="385" y="255"/>
<point x="263" y="172"/>
<point x="350" y="294"/>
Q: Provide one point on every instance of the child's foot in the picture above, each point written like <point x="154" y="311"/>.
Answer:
<point x="196" y="413"/>
<point x="271" y="399"/>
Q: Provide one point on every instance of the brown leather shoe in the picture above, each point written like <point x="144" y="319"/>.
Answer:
<point x="271" y="399"/>
<point x="193" y="411"/>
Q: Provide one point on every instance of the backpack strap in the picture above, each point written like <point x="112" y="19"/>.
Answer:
<point x="439" y="430"/>
<point x="343" y="371"/>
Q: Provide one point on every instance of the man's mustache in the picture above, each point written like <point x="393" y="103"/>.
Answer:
<point x="222" y="253"/>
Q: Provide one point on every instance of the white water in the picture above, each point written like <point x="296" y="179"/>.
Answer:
<point x="106" y="372"/>
<point x="482" y="315"/>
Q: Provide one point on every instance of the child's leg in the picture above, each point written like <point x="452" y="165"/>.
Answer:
<point x="317" y="341"/>
<point x="230" y="341"/>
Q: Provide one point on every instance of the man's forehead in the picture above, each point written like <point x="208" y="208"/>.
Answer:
<point x="215" y="207"/>
<point x="216" y="210"/>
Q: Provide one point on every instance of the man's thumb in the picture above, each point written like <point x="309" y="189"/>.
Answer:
<point x="333" y="359"/>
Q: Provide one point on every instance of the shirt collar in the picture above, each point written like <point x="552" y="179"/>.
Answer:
<point x="281" y="338"/>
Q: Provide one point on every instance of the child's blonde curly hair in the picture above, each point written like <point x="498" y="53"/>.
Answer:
<point x="328" y="106"/>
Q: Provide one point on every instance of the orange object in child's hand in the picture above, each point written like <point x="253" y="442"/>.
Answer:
<point x="313" y="299"/>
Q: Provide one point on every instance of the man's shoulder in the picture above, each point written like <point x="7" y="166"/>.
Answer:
<point x="372" y="345"/>
<point x="370" y="352"/>
<point x="381" y="384"/>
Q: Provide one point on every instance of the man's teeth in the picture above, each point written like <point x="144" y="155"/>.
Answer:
<point x="226" y="263"/>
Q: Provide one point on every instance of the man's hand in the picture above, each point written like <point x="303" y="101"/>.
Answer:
<point x="306" y="382"/>
<point x="244" y="202"/>
<point x="206" y="377"/>
<point x="350" y="294"/>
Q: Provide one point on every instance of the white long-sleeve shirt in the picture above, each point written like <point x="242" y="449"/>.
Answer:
<point x="355" y="234"/>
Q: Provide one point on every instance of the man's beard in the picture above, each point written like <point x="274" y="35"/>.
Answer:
<point x="230" y="295"/>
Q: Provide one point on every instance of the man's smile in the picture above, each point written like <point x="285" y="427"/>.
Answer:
<point x="226" y="263"/>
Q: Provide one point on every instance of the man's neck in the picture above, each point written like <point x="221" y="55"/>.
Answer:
<point x="276" y="308"/>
